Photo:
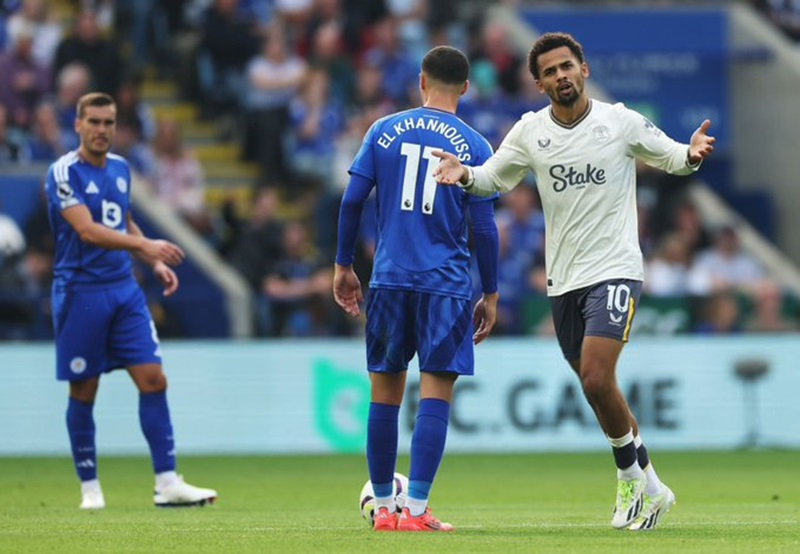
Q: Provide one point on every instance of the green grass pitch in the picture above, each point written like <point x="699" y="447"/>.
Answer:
<point x="727" y="502"/>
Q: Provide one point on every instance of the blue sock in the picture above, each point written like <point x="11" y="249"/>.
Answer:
<point x="80" y="426"/>
<point x="157" y="429"/>
<point x="427" y="445"/>
<point x="382" y="447"/>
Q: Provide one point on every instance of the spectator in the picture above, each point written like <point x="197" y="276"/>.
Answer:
<point x="485" y="107"/>
<point x="24" y="81"/>
<point x="298" y="290"/>
<point x="512" y="283"/>
<point x="131" y="110"/>
<point x="768" y="314"/>
<point x="72" y="82"/>
<point x="179" y="179"/>
<point x="11" y="151"/>
<point x="687" y="222"/>
<point x="326" y="53"/>
<point x="719" y="315"/>
<point x="46" y="141"/>
<point x="410" y="17"/>
<point x="521" y="213"/>
<point x="317" y="120"/>
<point x="34" y="17"/>
<point x="400" y="68"/>
<point x="228" y="42"/>
<point x="667" y="271"/>
<point x="273" y="77"/>
<point x="725" y="266"/>
<point x="128" y="144"/>
<point x="494" y="47"/>
<point x="100" y="55"/>
<point x="259" y="245"/>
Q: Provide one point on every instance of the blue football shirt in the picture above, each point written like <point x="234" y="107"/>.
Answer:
<point x="422" y="226"/>
<point x="105" y="191"/>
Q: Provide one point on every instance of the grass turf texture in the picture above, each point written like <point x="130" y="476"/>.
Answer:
<point x="727" y="502"/>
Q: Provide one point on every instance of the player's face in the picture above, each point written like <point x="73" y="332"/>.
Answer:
<point x="97" y="128"/>
<point x="561" y="76"/>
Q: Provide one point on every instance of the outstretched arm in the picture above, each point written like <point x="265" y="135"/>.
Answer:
<point x="503" y="171"/>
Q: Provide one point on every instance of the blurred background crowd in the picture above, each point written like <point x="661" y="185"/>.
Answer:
<point x="242" y="116"/>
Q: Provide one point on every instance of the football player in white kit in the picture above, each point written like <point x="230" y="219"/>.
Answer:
<point x="583" y="153"/>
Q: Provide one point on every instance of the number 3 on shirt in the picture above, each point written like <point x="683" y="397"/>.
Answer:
<point x="413" y="161"/>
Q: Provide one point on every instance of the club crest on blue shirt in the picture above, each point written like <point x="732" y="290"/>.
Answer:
<point x="122" y="185"/>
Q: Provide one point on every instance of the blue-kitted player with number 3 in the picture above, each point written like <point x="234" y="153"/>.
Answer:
<point x="100" y="317"/>
<point x="420" y="290"/>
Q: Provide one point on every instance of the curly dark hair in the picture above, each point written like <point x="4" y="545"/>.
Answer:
<point x="551" y="41"/>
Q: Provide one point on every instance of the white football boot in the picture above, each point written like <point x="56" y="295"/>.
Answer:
<point x="180" y="493"/>
<point x="654" y="510"/>
<point x="629" y="501"/>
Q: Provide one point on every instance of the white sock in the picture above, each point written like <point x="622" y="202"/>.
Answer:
<point x="654" y="485"/>
<point x="633" y="472"/>
<point x="416" y="506"/>
<point x="91" y="485"/>
<point x="165" y="479"/>
<point x="385" y="502"/>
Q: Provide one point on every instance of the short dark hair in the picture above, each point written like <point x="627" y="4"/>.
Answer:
<point x="447" y="65"/>
<point x="94" y="99"/>
<point x="551" y="41"/>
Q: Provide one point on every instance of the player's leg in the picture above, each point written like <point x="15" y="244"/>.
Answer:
<point x="608" y="309"/>
<point x="445" y="351"/>
<point x="390" y="346"/>
<point x="658" y="497"/>
<point x="382" y="432"/>
<point x="81" y="429"/>
<point x="133" y="343"/>
<point x="156" y="424"/>
<point x="80" y="321"/>
<point x="591" y="325"/>
<point x="427" y="450"/>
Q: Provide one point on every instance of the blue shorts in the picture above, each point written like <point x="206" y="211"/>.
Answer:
<point x="100" y="330"/>
<point x="437" y="328"/>
<point x="602" y="310"/>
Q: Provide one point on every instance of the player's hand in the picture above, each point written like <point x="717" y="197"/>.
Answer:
<point x="167" y="277"/>
<point x="484" y="316"/>
<point x="702" y="145"/>
<point x="449" y="171"/>
<point x="162" y="251"/>
<point x="347" y="289"/>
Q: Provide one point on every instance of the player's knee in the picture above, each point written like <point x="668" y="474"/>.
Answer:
<point x="595" y="384"/>
<point x="155" y="382"/>
<point x="84" y="391"/>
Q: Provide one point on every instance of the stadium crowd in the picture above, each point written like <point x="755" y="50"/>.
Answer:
<point x="295" y="84"/>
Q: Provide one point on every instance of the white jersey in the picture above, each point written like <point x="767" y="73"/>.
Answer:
<point x="586" y="177"/>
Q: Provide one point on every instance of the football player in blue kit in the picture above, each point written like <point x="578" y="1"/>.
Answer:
<point x="420" y="289"/>
<point x="100" y="316"/>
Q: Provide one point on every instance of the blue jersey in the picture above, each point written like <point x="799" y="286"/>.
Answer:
<point x="105" y="191"/>
<point x="422" y="226"/>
